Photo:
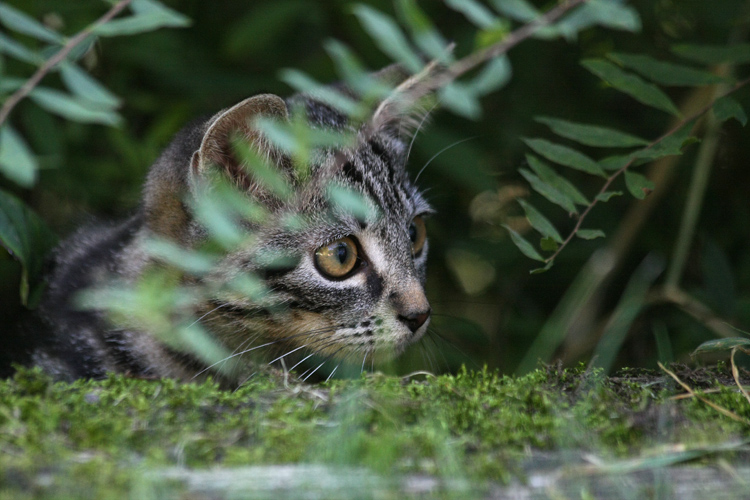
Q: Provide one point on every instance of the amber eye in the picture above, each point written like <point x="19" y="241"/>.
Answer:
<point x="337" y="258"/>
<point x="417" y="235"/>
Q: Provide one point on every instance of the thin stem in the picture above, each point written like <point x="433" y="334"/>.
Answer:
<point x="624" y="168"/>
<point x="50" y="63"/>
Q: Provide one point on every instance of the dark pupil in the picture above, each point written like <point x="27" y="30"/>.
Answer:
<point x="341" y="252"/>
<point x="413" y="232"/>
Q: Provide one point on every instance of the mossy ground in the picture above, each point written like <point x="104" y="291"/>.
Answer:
<point x="105" y="439"/>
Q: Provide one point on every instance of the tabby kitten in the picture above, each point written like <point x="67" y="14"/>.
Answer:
<point x="352" y="286"/>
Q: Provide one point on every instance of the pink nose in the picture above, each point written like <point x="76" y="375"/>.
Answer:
<point x="415" y="320"/>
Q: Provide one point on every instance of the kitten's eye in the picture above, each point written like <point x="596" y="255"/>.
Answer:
<point x="417" y="235"/>
<point x="337" y="259"/>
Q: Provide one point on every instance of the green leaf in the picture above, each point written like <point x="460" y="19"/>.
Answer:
<point x="544" y="269"/>
<point x="475" y="12"/>
<point x="25" y="236"/>
<point x="566" y="156"/>
<point x="350" y="68"/>
<point x="632" y="85"/>
<point x="460" y="98"/>
<point x="548" y="244"/>
<point x="495" y="74"/>
<point x="87" y="88"/>
<point x="669" y="146"/>
<point x="540" y="222"/>
<point x="726" y="108"/>
<point x="520" y="10"/>
<point x="72" y="108"/>
<point x="606" y="13"/>
<point x="615" y="162"/>
<point x="608" y="195"/>
<point x="425" y="36"/>
<point x="149" y="16"/>
<point x="714" y="54"/>
<point x="350" y="201"/>
<point x="388" y="36"/>
<point x="524" y="246"/>
<point x="591" y="135"/>
<point x="561" y="184"/>
<point x="23" y="23"/>
<point x="17" y="162"/>
<point x="590" y="234"/>
<point x="324" y="93"/>
<point x="15" y="50"/>
<point x="549" y="192"/>
<point x="638" y="185"/>
<point x="665" y="73"/>
<point x="720" y="345"/>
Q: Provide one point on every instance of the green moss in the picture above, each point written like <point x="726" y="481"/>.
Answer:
<point x="95" y="437"/>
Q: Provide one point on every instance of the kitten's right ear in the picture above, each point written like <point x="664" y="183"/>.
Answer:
<point x="217" y="148"/>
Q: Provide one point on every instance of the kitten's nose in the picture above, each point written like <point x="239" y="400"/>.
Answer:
<point x="415" y="320"/>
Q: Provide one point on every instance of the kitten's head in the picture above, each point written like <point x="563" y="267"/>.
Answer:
<point x="343" y="282"/>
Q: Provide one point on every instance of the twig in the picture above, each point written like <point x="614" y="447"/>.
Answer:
<point x="50" y="63"/>
<point x="527" y="30"/>
<point x="736" y="373"/>
<point x="622" y="170"/>
<point x="713" y="405"/>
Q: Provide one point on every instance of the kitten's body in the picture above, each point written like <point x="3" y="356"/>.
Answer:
<point x="377" y="307"/>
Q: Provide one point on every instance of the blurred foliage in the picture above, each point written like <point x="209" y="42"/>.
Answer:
<point x="487" y="306"/>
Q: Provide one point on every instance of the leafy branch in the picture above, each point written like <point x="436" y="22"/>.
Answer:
<point x="622" y="170"/>
<point x="56" y="59"/>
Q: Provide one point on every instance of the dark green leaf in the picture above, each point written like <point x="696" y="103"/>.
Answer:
<point x="591" y="135"/>
<point x="520" y="10"/>
<point x="669" y="146"/>
<point x="461" y="99"/>
<point x="720" y="345"/>
<point x="665" y="73"/>
<point x="726" y="108"/>
<point x="495" y="74"/>
<point x="475" y="12"/>
<point x="325" y="93"/>
<point x="566" y="156"/>
<point x="15" y="50"/>
<point x="561" y="184"/>
<point x="540" y="222"/>
<point x="548" y="244"/>
<point x="149" y="15"/>
<point x="615" y="162"/>
<point x="544" y="269"/>
<point x="388" y="36"/>
<point x="425" y="36"/>
<point x="638" y="185"/>
<point x="599" y="12"/>
<point x="22" y="23"/>
<point x="71" y="107"/>
<point x="548" y="191"/>
<point x="524" y="246"/>
<point x="17" y="162"/>
<point x="27" y="239"/>
<point x="85" y="87"/>
<point x="590" y="234"/>
<point x="714" y="54"/>
<point x="608" y="195"/>
<point x="632" y="85"/>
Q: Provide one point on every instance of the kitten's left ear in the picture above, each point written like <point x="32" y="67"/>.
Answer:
<point x="217" y="148"/>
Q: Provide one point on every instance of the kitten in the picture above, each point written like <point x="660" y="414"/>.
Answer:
<point x="352" y="286"/>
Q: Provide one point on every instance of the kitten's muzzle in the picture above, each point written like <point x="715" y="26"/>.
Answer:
<point x="415" y="320"/>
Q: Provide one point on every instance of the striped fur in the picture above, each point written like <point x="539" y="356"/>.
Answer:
<point x="373" y="313"/>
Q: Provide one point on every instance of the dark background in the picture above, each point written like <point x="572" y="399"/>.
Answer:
<point x="235" y="49"/>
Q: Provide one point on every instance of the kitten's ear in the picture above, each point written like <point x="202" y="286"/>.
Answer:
<point x="217" y="148"/>
<point x="410" y="103"/>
